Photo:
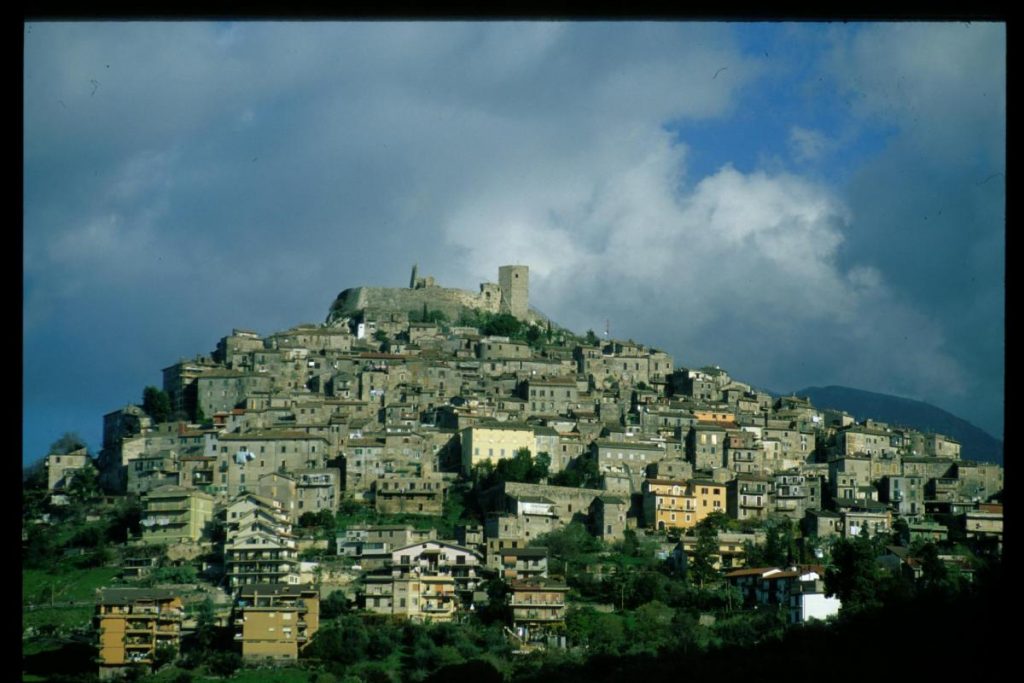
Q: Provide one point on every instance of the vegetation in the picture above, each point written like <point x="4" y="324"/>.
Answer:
<point x="522" y="467"/>
<point x="69" y="442"/>
<point x="156" y="403"/>
<point x="581" y="473"/>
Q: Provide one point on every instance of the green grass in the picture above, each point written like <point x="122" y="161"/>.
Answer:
<point x="63" y="617"/>
<point x="73" y="585"/>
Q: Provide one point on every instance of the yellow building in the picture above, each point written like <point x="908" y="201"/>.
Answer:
<point x="176" y="515"/>
<point x="276" y="620"/>
<point x="133" y="623"/>
<point x="493" y="442"/>
<point x="679" y="504"/>
<point x="710" y="495"/>
<point x="668" y="504"/>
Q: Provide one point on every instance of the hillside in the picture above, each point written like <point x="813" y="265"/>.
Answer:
<point x="975" y="443"/>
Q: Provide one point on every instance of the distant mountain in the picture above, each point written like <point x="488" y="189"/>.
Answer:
<point x="975" y="443"/>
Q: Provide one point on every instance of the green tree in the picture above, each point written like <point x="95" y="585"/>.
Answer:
<point x="582" y="472"/>
<point x="701" y="565"/>
<point x="334" y="605"/>
<point x="84" y="485"/>
<point x="69" y="442"/>
<point x="156" y="403"/>
<point x="591" y="338"/>
<point x="901" y="532"/>
<point x="651" y="627"/>
<point x="854" y="574"/>
<point x="503" y="325"/>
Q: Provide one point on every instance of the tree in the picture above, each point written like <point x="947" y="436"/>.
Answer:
<point x="503" y="325"/>
<point x="69" y="442"/>
<point x="854" y="575"/>
<point x="156" y="403"/>
<point x="84" y="485"/>
<point x="591" y="338"/>
<point x="581" y="473"/>
<point x="334" y="605"/>
<point x="701" y="567"/>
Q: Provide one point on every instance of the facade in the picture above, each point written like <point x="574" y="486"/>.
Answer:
<point x="493" y="442"/>
<point x="538" y="609"/>
<point x="133" y="623"/>
<point x="176" y="515"/>
<point x="680" y="504"/>
<point x="409" y="495"/>
<point x="276" y="621"/>
<point x="748" y="496"/>
<point x="61" y="469"/>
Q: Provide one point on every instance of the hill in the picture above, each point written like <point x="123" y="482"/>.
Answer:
<point x="975" y="443"/>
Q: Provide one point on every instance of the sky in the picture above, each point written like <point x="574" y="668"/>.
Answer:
<point x="801" y="204"/>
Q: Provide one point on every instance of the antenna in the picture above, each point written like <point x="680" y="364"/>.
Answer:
<point x="607" y="328"/>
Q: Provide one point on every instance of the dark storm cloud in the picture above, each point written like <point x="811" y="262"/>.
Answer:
<point x="183" y="179"/>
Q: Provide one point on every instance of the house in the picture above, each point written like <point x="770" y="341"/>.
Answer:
<point x="538" y="610"/>
<point x="730" y="554"/>
<point x="173" y="514"/>
<point x="609" y="517"/>
<point x="260" y="547"/>
<point x="524" y="563"/>
<point x="61" y="469"/>
<point x="705" y="445"/>
<point x="809" y="601"/>
<point x="748" y="496"/>
<point x="133" y="623"/>
<point x="799" y="590"/>
<point x="276" y="621"/>
<point x="668" y="504"/>
<point x="904" y="494"/>
<point x="494" y="441"/>
<point x="259" y="557"/>
<point x="400" y="494"/>
<point x="428" y="581"/>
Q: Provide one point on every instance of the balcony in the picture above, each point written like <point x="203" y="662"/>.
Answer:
<point x="435" y="609"/>
<point x="537" y="603"/>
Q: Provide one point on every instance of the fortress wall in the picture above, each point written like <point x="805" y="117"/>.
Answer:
<point x="450" y="301"/>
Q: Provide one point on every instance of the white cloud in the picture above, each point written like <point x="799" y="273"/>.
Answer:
<point x="808" y="145"/>
<point x="271" y="165"/>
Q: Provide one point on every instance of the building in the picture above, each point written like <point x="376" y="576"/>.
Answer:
<point x="748" y="496"/>
<point x="176" y="515"/>
<point x="409" y="495"/>
<point x="61" y="469"/>
<point x="538" y="610"/>
<point x="492" y="442"/>
<point x="133" y="624"/>
<point x="276" y="621"/>
<point x="676" y="504"/>
<point x="518" y="564"/>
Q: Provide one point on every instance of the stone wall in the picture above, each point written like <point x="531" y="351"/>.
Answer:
<point x="492" y="298"/>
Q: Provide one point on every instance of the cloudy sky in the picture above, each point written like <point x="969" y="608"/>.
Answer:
<point x="801" y="204"/>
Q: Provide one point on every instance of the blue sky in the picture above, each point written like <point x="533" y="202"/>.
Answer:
<point x="801" y="204"/>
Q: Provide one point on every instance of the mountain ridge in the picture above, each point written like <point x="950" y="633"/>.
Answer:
<point x="975" y="443"/>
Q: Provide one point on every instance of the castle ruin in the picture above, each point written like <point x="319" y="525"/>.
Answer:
<point x="510" y="295"/>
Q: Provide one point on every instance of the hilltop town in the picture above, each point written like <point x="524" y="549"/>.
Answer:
<point x="431" y="455"/>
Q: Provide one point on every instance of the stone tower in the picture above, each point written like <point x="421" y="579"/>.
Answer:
<point x="514" y="282"/>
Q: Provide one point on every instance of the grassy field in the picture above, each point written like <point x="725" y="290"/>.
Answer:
<point x="71" y="584"/>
